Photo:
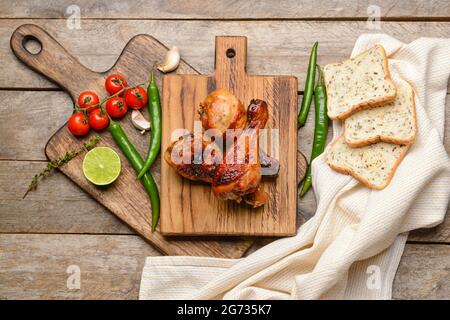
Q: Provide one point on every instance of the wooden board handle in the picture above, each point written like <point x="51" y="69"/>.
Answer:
<point x="52" y="61"/>
<point x="230" y="61"/>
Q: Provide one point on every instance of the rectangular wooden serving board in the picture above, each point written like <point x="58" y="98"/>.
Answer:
<point x="190" y="208"/>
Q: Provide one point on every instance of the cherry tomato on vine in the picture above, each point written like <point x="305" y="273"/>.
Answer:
<point x="98" y="119"/>
<point x="78" y="124"/>
<point x="114" y="83"/>
<point x="136" y="98"/>
<point x="87" y="99"/>
<point x="116" y="107"/>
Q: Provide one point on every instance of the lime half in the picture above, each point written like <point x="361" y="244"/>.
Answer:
<point x="101" y="166"/>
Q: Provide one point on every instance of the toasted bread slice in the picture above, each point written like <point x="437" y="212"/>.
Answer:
<point x="393" y="123"/>
<point x="373" y="165"/>
<point x="358" y="83"/>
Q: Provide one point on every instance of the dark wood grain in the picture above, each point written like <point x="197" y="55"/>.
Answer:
<point x="126" y="198"/>
<point x="192" y="208"/>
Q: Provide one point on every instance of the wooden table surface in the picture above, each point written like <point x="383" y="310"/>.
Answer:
<point x="60" y="226"/>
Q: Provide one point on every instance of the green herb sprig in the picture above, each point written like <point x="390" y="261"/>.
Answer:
<point x="57" y="163"/>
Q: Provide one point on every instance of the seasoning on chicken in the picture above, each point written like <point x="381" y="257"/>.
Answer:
<point x="236" y="179"/>
<point x="189" y="163"/>
<point x="221" y="110"/>
<point x="237" y="176"/>
<point x="257" y="198"/>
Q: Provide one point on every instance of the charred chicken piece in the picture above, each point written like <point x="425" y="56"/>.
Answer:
<point x="257" y="198"/>
<point x="221" y="110"/>
<point x="242" y="176"/>
<point x="182" y="156"/>
<point x="231" y="179"/>
<point x="206" y="171"/>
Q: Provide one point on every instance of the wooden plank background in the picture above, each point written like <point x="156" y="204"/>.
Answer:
<point x="227" y="10"/>
<point x="62" y="222"/>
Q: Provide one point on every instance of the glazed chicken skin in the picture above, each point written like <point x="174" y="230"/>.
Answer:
<point x="195" y="168"/>
<point x="235" y="180"/>
<point x="221" y="111"/>
<point x="230" y="180"/>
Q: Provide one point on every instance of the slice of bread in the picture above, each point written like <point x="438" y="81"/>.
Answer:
<point x="358" y="83"/>
<point x="394" y="122"/>
<point x="373" y="165"/>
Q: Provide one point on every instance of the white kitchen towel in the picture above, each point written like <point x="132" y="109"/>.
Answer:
<point x="351" y="248"/>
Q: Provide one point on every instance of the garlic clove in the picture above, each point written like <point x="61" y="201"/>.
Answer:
<point x="139" y="121"/>
<point x="171" y="60"/>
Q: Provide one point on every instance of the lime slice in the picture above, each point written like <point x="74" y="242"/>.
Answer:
<point x="101" y="166"/>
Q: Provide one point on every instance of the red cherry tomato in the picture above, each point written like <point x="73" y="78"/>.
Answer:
<point x="98" y="119"/>
<point x="87" y="99"/>
<point x="116" y="107"/>
<point x="114" y="83"/>
<point x="136" y="98"/>
<point x="78" y="124"/>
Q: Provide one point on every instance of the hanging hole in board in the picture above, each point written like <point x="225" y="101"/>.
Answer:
<point x="31" y="44"/>
<point x="231" y="53"/>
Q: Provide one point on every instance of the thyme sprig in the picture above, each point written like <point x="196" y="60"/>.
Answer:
<point x="58" y="163"/>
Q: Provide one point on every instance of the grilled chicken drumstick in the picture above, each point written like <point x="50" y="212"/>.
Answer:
<point x="235" y="180"/>
<point x="221" y="110"/>
<point x="195" y="168"/>
<point x="232" y="179"/>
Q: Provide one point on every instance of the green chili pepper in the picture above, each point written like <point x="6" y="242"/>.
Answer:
<point x="154" y="109"/>
<point x="137" y="163"/>
<point x="309" y="87"/>
<point x="320" y="129"/>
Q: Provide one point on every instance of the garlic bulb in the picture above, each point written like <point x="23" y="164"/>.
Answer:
<point x="139" y="121"/>
<point x="171" y="60"/>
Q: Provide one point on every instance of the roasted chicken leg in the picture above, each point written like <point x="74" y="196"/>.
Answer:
<point x="190" y="163"/>
<point x="221" y="111"/>
<point x="237" y="176"/>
